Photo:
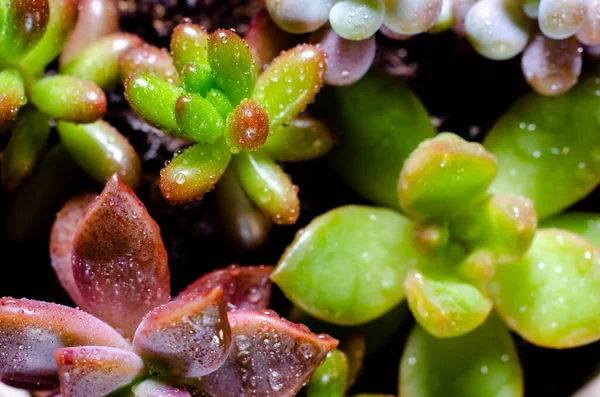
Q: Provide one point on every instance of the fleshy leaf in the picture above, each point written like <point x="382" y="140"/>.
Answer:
<point x="444" y="305"/>
<point x="368" y="252"/>
<point x="299" y="16"/>
<point x="197" y="79"/>
<point x="444" y="175"/>
<point x="95" y="371"/>
<point x="536" y="159"/>
<point x="99" y="61"/>
<point x="28" y="138"/>
<point x="358" y="19"/>
<point x="63" y="16"/>
<point x="304" y="138"/>
<point x="154" y="99"/>
<point x="551" y="296"/>
<point x="586" y="224"/>
<point x="96" y="18"/>
<point x="290" y="83"/>
<point x="240" y="222"/>
<point x="484" y="363"/>
<point x="194" y="172"/>
<point x="30" y="332"/>
<point x="24" y="25"/>
<point x="233" y="66"/>
<point x="330" y="379"/>
<point x="12" y="95"/>
<point x="504" y="224"/>
<point x="379" y="122"/>
<point x="61" y="242"/>
<point x="69" y="98"/>
<point x="268" y="187"/>
<point x="247" y="127"/>
<point x="220" y="102"/>
<point x="269" y="357"/>
<point x="266" y="40"/>
<point x="119" y="260"/>
<point x="148" y="59"/>
<point x="154" y="388"/>
<point x="244" y="287"/>
<point x="410" y="16"/>
<point x="186" y="338"/>
<point x="101" y="151"/>
<point x="198" y="118"/>
<point x="189" y="43"/>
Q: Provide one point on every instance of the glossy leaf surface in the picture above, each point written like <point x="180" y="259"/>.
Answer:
<point x="586" y="224"/>
<point x="330" y="379"/>
<point x="154" y="388"/>
<point x="119" y="260"/>
<point x="198" y="118"/>
<point x="24" y="24"/>
<point x="12" y="95"/>
<point x="247" y="127"/>
<point x="148" y="59"/>
<point x="357" y="19"/>
<point x="189" y="43"/>
<point x="368" y="252"/>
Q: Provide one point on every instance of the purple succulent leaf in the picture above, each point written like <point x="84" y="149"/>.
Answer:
<point x="154" y="388"/>
<point x="270" y="357"/>
<point x="244" y="287"/>
<point x="30" y="332"/>
<point x="119" y="259"/>
<point x="95" y="371"/>
<point x="186" y="338"/>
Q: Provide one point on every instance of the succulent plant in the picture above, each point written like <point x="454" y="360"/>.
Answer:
<point x="214" y="339"/>
<point x="237" y="122"/>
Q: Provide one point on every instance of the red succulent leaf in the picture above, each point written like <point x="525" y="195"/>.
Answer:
<point x="119" y="259"/>
<point x="244" y="287"/>
<point x="30" y="332"/>
<point x="61" y="242"/>
<point x="186" y="338"/>
<point x="269" y="356"/>
<point x="154" y="388"/>
<point x="95" y="371"/>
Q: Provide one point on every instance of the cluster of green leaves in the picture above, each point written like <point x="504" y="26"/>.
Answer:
<point x="240" y="123"/>
<point x="466" y="244"/>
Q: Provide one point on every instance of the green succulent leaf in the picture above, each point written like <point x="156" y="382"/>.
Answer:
<point x="537" y="159"/>
<point x="290" y="83"/>
<point x="357" y="19"/>
<point x="331" y="377"/>
<point x="304" y="138"/>
<point x="12" y="95"/>
<point x="23" y="25"/>
<point x="445" y="305"/>
<point x="28" y="138"/>
<point x="551" y="296"/>
<point x="232" y="64"/>
<point x="379" y="122"/>
<point x="348" y="265"/>
<point x="99" y="61"/>
<point x="69" y="98"/>
<point x="154" y="100"/>
<point x="483" y="362"/>
<point x="220" y="102"/>
<point x="443" y="176"/>
<point x="268" y="187"/>
<point x="198" y="119"/>
<point x="189" y="44"/>
<point x="197" y="79"/>
<point x="101" y="151"/>
<point x="586" y="224"/>
<point x="194" y="172"/>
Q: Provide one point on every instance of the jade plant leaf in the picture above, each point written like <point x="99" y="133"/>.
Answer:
<point x="304" y="138"/>
<point x="348" y="265"/>
<point x="36" y="329"/>
<point x="379" y="122"/>
<point x="24" y="23"/>
<point x="61" y="243"/>
<point x="551" y="296"/>
<point x="330" y="379"/>
<point x="101" y="151"/>
<point x="186" y="338"/>
<point x="244" y="287"/>
<point x="247" y="127"/>
<point x="197" y="79"/>
<point x="484" y="362"/>
<point x="444" y="305"/>
<point x="189" y="44"/>
<point x="150" y="59"/>
<point x="269" y="357"/>
<point x="28" y="139"/>
<point x="12" y="95"/>
<point x="536" y="159"/>
<point x="87" y="371"/>
<point x="119" y="260"/>
<point x="232" y="64"/>
<point x="268" y="187"/>
<point x="290" y="83"/>
<point x="433" y="183"/>
<point x="194" y="172"/>
<point x="586" y="224"/>
<point x="198" y="118"/>
<point x="154" y="388"/>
